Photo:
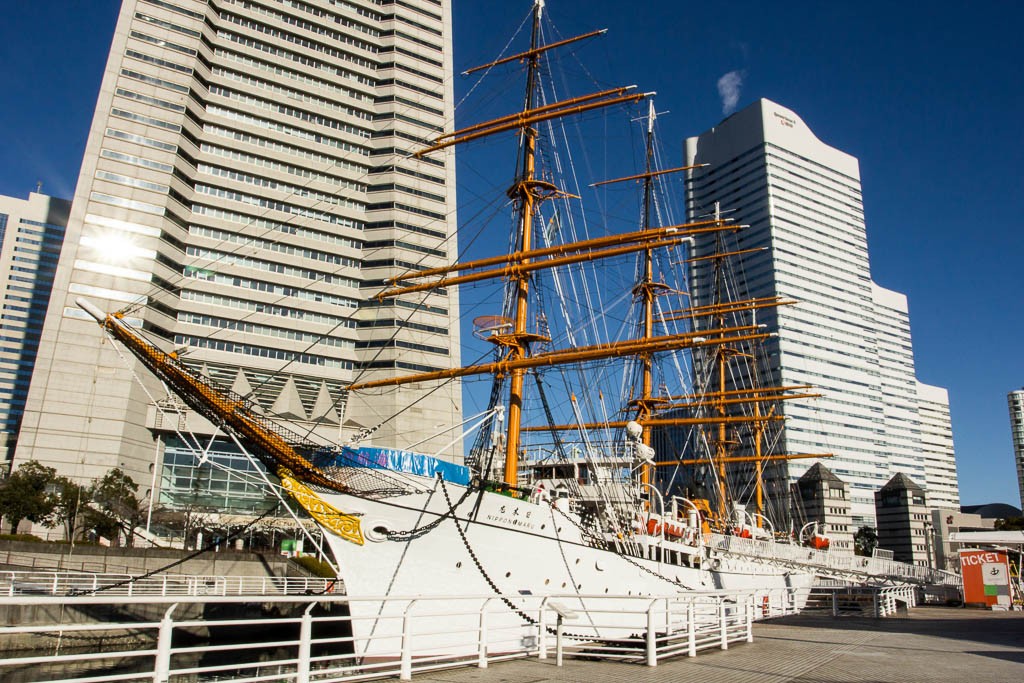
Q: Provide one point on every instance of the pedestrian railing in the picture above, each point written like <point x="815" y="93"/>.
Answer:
<point x="310" y="638"/>
<point x="14" y="583"/>
<point x="872" y="601"/>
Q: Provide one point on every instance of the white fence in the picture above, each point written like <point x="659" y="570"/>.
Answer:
<point x="313" y="641"/>
<point x="839" y="563"/>
<point x="73" y="583"/>
<point x="875" y="601"/>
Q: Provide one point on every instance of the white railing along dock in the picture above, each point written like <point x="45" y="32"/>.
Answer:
<point x="14" y="583"/>
<point x="315" y="642"/>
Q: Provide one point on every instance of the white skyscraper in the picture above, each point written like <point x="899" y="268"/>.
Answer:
<point x="1016" y="401"/>
<point x="846" y="336"/>
<point x="941" y="479"/>
<point x="31" y="235"/>
<point x="246" y="189"/>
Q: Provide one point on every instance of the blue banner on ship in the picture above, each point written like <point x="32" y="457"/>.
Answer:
<point x="397" y="461"/>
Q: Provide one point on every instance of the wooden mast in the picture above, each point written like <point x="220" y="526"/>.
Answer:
<point x="646" y="290"/>
<point x="523" y="192"/>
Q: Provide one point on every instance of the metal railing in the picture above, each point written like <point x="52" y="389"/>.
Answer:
<point x="872" y="601"/>
<point x="839" y="563"/>
<point x="64" y="583"/>
<point x="313" y="641"/>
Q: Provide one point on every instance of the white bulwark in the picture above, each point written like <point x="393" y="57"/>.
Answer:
<point x="847" y="337"/>
<point x="245" y="191"/>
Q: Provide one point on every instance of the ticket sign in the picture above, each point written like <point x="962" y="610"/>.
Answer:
<point x="986" y="576"/>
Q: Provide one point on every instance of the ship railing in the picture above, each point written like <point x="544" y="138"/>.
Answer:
<point x="333" y="637"/>
<point x="825" y="560"/>
<point x="67" y="583"/>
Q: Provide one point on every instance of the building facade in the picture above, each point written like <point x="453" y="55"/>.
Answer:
<point x="941" y="480"/>
<point x="904" y="523"/>
<point x="846" y="336"/>
<point x="1015" y="399"/>
<point x="31" y="236"/>
<point x="247" y="187"/>
<point x="820" y="498"/>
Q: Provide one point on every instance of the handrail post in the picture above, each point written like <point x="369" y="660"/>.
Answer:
<point x="542" y="630"/>
<point x="305" y="645"/>
<point x="405" y="667"/>
<point x="162" y="663"/>
<point x="750" y="618"/>
<point x="691" y="630"/>
<point x="558" y="641"/>
<point x="877" y="603"/>
<point x="723" y="627"/>
<point x="835" y="602"/>
<point x="652" y="637"/>
<point x="481" y="662"/>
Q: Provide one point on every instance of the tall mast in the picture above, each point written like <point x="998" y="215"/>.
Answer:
<point x="721" y="441"/>
<point x="523" y="192"/>
<point x="646" y="291"/>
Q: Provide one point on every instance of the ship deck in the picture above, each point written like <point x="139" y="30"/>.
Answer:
<point x="929" y="644"/>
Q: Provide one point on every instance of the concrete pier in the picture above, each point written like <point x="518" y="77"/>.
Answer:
<point x="929" y="645"/>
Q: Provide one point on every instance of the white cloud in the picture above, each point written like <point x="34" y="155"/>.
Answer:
<point x="729" y="87"/>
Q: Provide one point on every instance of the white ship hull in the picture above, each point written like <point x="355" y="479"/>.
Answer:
<point x="512" y="547"/>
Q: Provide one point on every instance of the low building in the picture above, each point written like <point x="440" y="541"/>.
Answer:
<point x="820" y="497"/>
<point x="946" y="522"/>
<point x="901" y="511"/>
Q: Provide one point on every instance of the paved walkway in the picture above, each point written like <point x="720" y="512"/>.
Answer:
<point x="930" y="645"/>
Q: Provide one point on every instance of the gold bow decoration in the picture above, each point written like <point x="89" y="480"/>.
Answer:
<point x="334" y="520"/>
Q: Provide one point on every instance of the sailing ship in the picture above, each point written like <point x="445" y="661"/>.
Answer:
<point x="584" y="508"/>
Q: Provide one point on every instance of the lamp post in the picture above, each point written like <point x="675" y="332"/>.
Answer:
<point x="928" y="531"/>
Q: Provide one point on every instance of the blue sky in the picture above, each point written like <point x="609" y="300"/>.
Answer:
<point x="930" y="99"/>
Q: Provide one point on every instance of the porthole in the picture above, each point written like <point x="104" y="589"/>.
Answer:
<point x="563" y="584"/>
<point x="577" y="560"/>
<point x="605" y="590"/>
<point x="508" y="574"/>
<point x="543" y="526"/>
<point x="376" y="532"/>
<point x="458" y="565"/>
<point x="547" y="581"/>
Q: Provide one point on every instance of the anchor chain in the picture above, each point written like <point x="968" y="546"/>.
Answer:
<point x="424" y="530"/>
<point x="490" y="582"/>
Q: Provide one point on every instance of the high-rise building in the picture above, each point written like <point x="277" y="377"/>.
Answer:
<point x="1016" y="402"/>
<point x="941" y="480"/>
<point x="246" y="189"/>
<point x="846" y="336"/>
<point x="31" y="235"/>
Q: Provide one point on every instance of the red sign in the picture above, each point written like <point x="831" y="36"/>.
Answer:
<point x="986" y="576"/>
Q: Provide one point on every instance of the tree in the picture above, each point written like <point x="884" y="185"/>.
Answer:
<point x="116" y="506"/>
<point x="865" y="541"/>
<point x="69" y="502"/>
<point x="27" y="494"/>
